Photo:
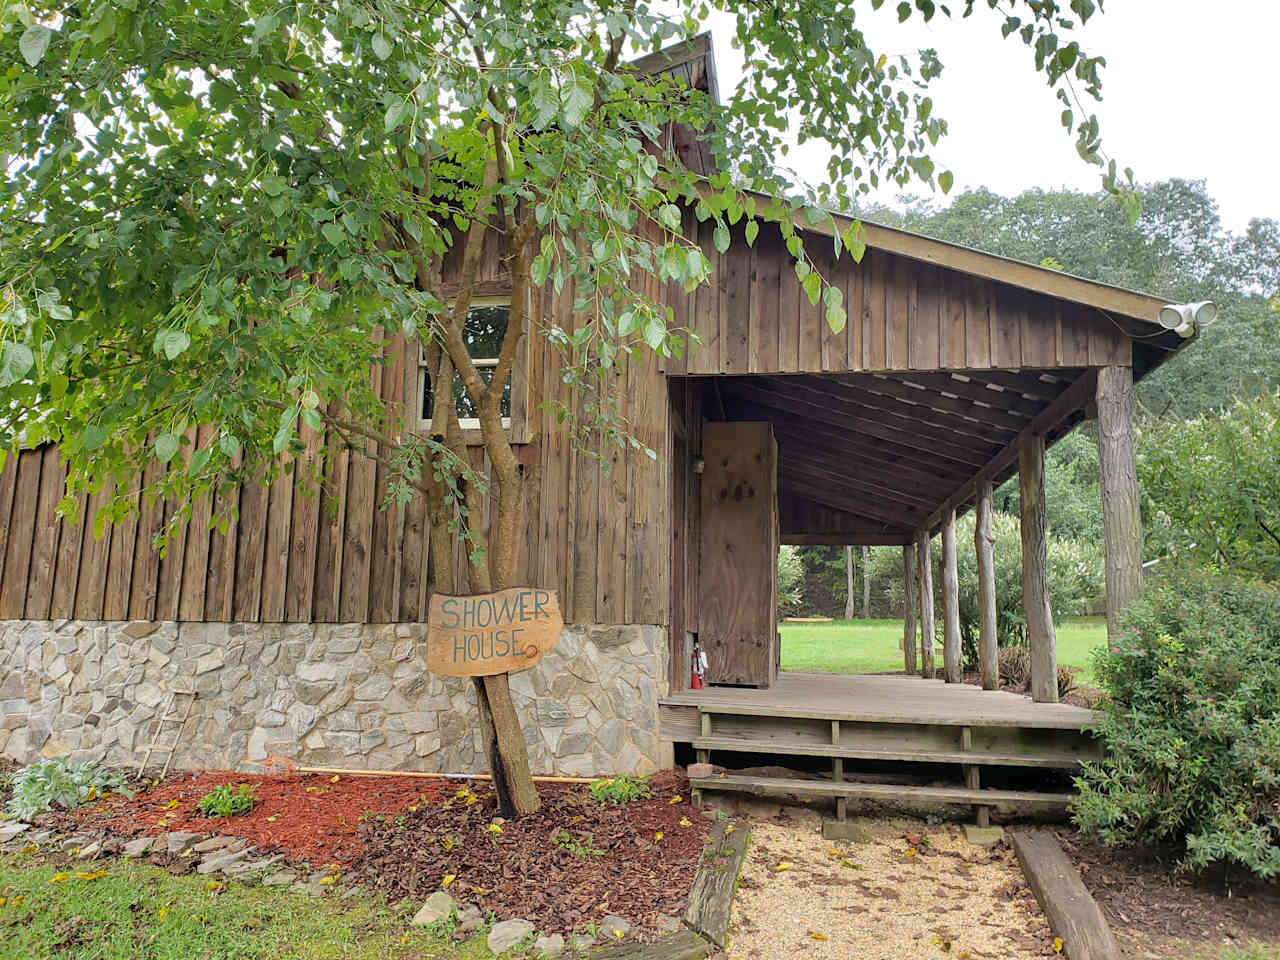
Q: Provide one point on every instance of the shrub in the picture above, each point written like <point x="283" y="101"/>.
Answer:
<point x="57" y="781"/>
<point x="790" y="582"/>
<point x="623" y="788"/>
<point x="1013" y="664"/>
<point x="225" y="801"/>
<point x="1192" y="725"/>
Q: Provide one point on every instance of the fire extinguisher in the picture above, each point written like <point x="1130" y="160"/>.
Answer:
<point x="698" y="667"/>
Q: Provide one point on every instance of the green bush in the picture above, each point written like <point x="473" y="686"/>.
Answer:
<point x="58" y="782"/>
<point x="790" y="582"/>
<point x="623" y="788"/>
<point x="226" y="801"/>
<point x="1192" y="725"/>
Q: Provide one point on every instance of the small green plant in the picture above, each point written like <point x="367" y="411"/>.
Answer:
<point x="623" y="788"/>
<point x="579" y="848"/>
<point x="59" y="782"/>
<point x="228" y="801"/>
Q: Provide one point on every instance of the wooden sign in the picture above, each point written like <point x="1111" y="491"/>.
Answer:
<point x="491" y="633"/>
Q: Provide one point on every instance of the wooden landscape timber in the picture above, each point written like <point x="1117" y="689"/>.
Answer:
<point x="1072" y="912"/>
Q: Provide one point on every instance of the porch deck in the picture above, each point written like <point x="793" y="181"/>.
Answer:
<point x="907" y="721"/>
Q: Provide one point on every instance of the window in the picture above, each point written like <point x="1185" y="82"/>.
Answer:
<point x="482" y="332"/>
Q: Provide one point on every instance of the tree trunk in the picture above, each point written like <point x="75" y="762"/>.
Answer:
<point x="952" y="668"/>
<point x="849" y="611"/>
<point x="866" y="583"/>
<point x="928" y="627"/>
<point x="909" y="607"/>
<point x="984" y="543"/>
<point x="1121" y="517"/>
<point x="1035" y="578"/>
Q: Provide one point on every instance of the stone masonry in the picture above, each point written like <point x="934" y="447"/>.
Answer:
<point x="348" y="695"/>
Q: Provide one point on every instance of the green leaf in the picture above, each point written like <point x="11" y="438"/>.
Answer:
<point x="945" y="180"/>
<point x="34" y="42"/>
<point x="273" y="185"/>
<point x="578" y="99"/>
<point x="334" y="234"/>
<point x="93" y="436"/>
<point x="812" y="284"/>
<point x="836" y="318"/>
<point x="16" y="360"/>
<point x="395" y="113"/>
<point x="721" y="237"/>
<point x="753" y="228"/>
<point x="172" y="342"/>
<point x="166" y="446"/>
<point x="382" y="50"/>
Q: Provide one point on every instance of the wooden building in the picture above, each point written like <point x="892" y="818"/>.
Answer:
<point x="957" y="369"/>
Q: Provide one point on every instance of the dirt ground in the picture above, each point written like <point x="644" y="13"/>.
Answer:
<point x="904" y="888"/>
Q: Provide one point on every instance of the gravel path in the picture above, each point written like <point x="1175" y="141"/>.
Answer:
<point x="903" y="890"/>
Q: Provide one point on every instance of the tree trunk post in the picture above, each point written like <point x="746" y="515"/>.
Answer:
<point x="909" y="607"/>
<point x="849" y="609"/>
<point x="1035" y="579"/>
<point x="951" y="657"/>
<point x="984" y="543"/>
<point x="866" y="583"/>
<point x="1121" y="516"/>
<point x="924" y="576"/>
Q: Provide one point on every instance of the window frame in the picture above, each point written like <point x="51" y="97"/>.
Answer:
<point x="517" y="423"/>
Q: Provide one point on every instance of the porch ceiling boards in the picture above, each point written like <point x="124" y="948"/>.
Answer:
<point x="880" y="456"/>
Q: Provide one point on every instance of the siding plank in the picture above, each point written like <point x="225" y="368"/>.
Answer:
<point x="21" y="527"/>
<point x="765" y="315"/>
<point x="195" y="565"/>
<point x="925" y="320"/>
<point x="301" y="574"/>
<point x="874" y="311"/>
<point x="739" y="267"/>
<point x="953" y="298"/>
<point x="900" y="303"/>
<point x="67" y="575"/>
<point x="275" y="552"/>
<point x="44" y="553"/>
<point x="124" y="541"/>
<point x="977" y="324"/>
<point x="145" y="582"/>
<point x="93" y="558"/>
<point x="329" y="538"/>
<point x="247" y="605"/>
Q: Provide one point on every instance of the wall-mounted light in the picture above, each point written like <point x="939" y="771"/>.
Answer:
<point x="1184" y="319"/>
<point x="699" y="464"/>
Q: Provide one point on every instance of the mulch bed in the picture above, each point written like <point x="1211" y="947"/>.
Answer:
<point x="566" y="867"/>
<point x="1082" y="695"/>
<point x="636" y="861"/>
<point x="1137" y="890"/>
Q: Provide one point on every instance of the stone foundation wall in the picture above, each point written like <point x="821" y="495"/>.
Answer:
<point x="349" y="695"/>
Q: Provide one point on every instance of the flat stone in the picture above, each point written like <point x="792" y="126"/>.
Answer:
<point x="580" y="941"/>
<point x="90" y="851"/>
<point x="215" y="843"/>
<point x="71" y="843"/>
<point x="281" y="878"/>
<point x="700" y="770"/>
<point x="614" y="927"/>
<point x="507" y="934"/>
<point x="549" y="946"/>
<point x="140" y="628"/>
<point x="210" y="662"/>
<point x="138" y="847"/>
<point x="375" y="688"/>
<point x="11" y="828"/>
<point x="983" y="836"/>
<point x="439" y="906"/>
<point x="853" y="830"/>
<point x="219" y="861"/>
<point x="666" y="924"/>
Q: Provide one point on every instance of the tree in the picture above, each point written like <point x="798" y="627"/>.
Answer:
<point x="217" y="213"/>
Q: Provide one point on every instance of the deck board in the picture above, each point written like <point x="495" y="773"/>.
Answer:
<point x="877" y="698"/>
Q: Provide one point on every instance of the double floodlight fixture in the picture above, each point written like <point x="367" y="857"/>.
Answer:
<point x="1184" y="319"/>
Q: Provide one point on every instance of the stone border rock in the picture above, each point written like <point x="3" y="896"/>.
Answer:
<point x="1072" y="912"/>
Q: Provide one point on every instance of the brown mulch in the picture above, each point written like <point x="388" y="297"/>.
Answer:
<point x="1137" y="890"/>
<point x="1081" y="696"/>
<point x="312" y="817"/>
<point x="636" y="861"/>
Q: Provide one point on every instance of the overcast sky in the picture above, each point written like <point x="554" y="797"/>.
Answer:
<point x="1190" y="90"/>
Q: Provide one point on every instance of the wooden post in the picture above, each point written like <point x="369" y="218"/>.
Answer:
<point x="849" y="610"/>
<point x="866" y="583"/>
<point x="952" y="669"/>
<point x="1121" y="518"/>
<point x="1035" y="579"/>
<point x="924" y="576"/>
<point x="984" y="542"/>
<point x="909" y="607"/>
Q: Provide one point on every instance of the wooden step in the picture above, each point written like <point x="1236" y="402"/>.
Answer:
<point x="1067" y="761"/>
<point x="774" y="786"/>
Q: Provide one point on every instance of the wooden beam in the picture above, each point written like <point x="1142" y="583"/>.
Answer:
<point x="1072" y="912"/>
<point x="924" y="577"/>
<point x="1121" y="518"/>
<point x="1070" y="401"/>
<point x="951" y="665"/>
<point x="915" y="394"/>
<point x="817" y="467"/>
<point x="1035" y="575"/>
<point x="841" y="538"/>
<point x="960" y="385"/>
<point x="823" y="411"/>
<point x="984" y="543"/>
<point x="1033" y="384"/>
<point x="987" y="431"/>
<point x="909" y="607"/>
<point x="819" y="493"/>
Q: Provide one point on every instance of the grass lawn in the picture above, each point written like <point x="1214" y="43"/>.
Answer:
<point x="871" y="646"/>
<point x="144" y="913"/>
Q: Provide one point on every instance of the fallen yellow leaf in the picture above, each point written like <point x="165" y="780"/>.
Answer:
<point x="17" y="901"/>
<point x="686" y="822"/>
<point x="817" y="936"/>
<point x="334" y="779"/>
<point x="413" y="808"/>
<point x="161" y="914"/>
<point x="676" y="799"/>
<point x="833" y="852"/>
<point x="1057" y="944"/>
<point x="60" y="878"/>
<point x="911" y="852"/>
<point x="784" y="865"/>
<point x="3" y="901"/>
<point x="728" y="830"/>
<point x="91" y="876"/>
<point x="658" y="835"/>
<point x="171" y="804"/>
<point x="618" y="933"/>
<point x="449" y="878"/>
<point x="273" y="818"/>
<point x="324" y="881"/>
<point x="850" y="864"/>
<point x="30" y="848"/>
<point x="213" y="884"/>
